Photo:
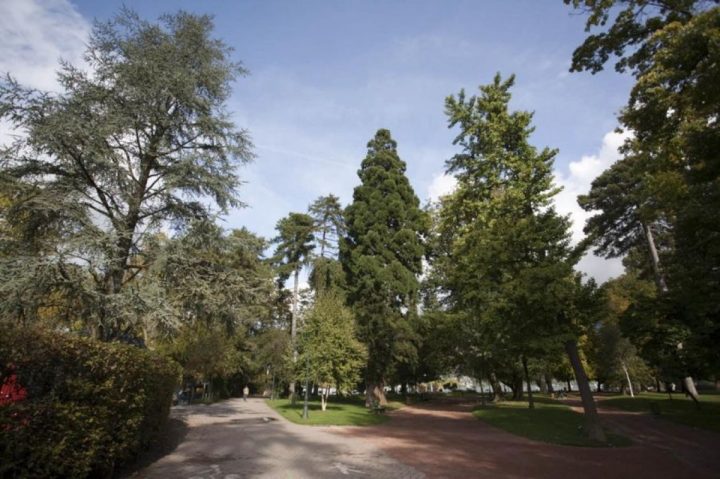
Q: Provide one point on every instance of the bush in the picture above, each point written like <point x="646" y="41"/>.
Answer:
<point x="90" y="406"/>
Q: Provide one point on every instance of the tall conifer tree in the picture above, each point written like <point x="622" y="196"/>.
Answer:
<point x="382" y="256"/>
<point x="295" y="242"/>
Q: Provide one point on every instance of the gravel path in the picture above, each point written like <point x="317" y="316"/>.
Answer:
<point x="237" y="439"/>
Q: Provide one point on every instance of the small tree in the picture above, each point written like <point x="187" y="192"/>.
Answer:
<point x="331" y="354"/>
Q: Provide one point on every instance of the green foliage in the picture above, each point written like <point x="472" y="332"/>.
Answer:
<point x="214" y="278"/>
<point x="271" y="356"/>
<point x="549" y="422"/>
<point x="674" y="110"/>
<point x="140" y="140"/>
<point x="208" y="353"/>
<point x="620" y="195"/>
<point x="667" y="184"/>
<point x="609" y="351"/>
<point x="382" y="256"/>
<point x="634" y="25"/>
<point x="327" y="275"/>
<point x="90" y="406"/>
<point x="330" y="353"/>
<point x="295" y="243"/>
<point x="503" y="254"/>
<point x="327" y="213"/>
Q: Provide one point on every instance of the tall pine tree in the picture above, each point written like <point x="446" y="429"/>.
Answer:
<point x="382" y="256"/>
<point x="295" y="242"/>
<point x="327" y="213"/>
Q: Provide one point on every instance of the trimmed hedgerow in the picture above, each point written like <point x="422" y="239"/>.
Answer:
<point x="90" y="406"/>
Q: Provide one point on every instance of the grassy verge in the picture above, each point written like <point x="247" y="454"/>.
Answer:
<point x="339" y="412"/>
<point x="550" y="422"/>
<point x="679" y="409"/>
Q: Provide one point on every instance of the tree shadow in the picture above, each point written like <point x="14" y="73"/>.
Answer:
<point x="168" y="439"/>
<point x="250" y="447"/>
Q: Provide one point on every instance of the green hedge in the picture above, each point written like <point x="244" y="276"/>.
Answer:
<point x="90" y="406"/>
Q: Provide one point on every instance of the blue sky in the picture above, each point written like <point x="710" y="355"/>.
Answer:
<point x="326" y="75"/>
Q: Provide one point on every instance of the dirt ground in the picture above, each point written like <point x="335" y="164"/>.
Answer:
<point x="446" y="441"/>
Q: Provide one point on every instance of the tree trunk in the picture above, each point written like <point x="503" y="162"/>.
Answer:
<point x="293" y="330"/>
<point x="517" y="386"/>
<point x="662" y="286"/>
<point x="322" y="246"/>
<point x="495" y="386"/>
<point x="549" y="382"/>
<point x="531" y="402"/>
<point x="569" y="386"/>
<point x="542" y="384"/>
<point x="592" y="419"/>
<point x="375" y="394"/>
<point x="629" y="383"/>
<point x="691" y="390"/>
<point x="324" y="393"/>
<point x="654" y="258"/>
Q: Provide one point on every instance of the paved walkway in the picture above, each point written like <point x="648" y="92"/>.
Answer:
<point x="236" y="439"/>
<point x="446" y="441"/>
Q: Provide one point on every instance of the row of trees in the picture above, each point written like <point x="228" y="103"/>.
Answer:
<point x="111" y="193"/>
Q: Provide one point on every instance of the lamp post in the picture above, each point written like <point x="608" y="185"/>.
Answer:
<point x="307" y="387"/>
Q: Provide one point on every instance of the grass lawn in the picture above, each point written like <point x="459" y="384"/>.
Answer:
<point x="339" y="412"/>
<point x="550" y="422"/>
<point x="678" y="409"/>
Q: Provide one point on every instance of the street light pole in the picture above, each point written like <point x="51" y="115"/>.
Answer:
<point x="305" y="405"/>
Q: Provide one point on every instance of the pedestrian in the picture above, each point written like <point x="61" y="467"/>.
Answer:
<point x="246" y="391"/>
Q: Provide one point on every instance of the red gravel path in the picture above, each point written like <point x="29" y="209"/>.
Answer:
<point x="446" y="441"/>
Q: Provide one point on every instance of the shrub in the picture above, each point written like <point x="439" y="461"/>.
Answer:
<point x="90" y="406"/>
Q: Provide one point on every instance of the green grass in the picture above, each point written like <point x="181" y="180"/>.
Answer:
<point x="679" y="409"/>
<point x="339" y="412"/>
<point x="550" y="422"/>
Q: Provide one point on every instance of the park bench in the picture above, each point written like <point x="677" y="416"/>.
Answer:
<point x="377" y="408"/>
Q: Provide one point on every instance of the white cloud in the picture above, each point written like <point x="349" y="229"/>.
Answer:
<point x="441" y="185"/>
<point x="579" y="178"/>
<point x="35" y="35"/>
<point x="576" y="182"/>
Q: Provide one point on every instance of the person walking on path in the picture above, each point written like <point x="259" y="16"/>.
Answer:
<point x="246" y="391"/>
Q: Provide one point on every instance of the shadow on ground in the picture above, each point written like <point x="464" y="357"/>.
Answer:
<point x="171" y="436"/>
<point x="445" y="441"/>
<point x="249" y="440"/>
